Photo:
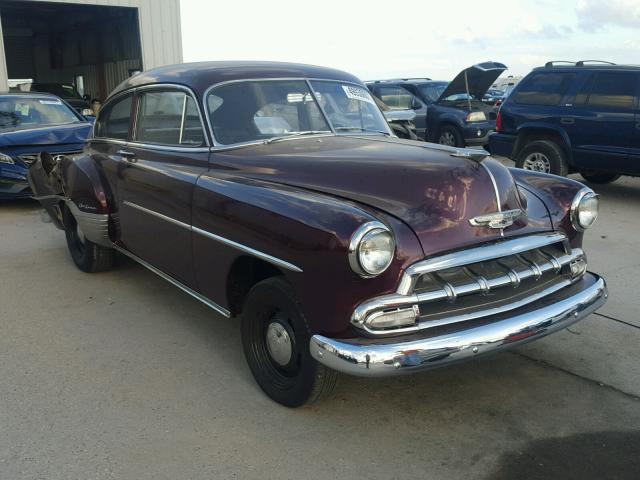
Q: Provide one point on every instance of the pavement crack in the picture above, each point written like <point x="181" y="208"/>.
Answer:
<point x="616" y="320"/>
<point x="546" y="364"/>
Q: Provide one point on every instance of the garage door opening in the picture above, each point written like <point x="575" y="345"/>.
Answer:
<point x="91" y="48"/>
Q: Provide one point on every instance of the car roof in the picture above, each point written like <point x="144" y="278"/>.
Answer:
<point x="578" y="66"/>
<point x="201" y="75"/>
<point x="28" y="94"/>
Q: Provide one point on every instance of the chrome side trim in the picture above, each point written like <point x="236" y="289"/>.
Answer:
<point x="173" y="281"/>
<point x="474" y="255"/>
<point x="394" y="358"/>
<point x="158" y="215"/>
<point x="252" y="251"/>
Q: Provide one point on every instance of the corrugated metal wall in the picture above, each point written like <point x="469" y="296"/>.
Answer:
<point x="160" y="38"/>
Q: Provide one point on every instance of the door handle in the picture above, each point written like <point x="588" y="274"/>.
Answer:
<point x="127" y="155"/>
<point x="567" y="121"/>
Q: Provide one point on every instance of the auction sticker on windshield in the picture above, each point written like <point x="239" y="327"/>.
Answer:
<point x="357" y="93"/>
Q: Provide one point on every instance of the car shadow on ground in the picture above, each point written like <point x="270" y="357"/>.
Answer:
<point x="598" y="455"/>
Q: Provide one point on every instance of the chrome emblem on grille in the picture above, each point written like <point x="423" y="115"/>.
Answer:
<point x="498" y="219"/>
<point x="57" y="158"/>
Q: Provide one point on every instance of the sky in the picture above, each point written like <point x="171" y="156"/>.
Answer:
<point x="375" y="39"/>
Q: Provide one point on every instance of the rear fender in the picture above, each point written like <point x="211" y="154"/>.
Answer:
<point x="73" y="185"/>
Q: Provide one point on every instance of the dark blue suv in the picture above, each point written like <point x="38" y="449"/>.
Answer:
<point x="450" y="113"/>
<point x="573" y="117"/>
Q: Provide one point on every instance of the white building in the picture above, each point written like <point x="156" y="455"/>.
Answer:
<point x="93" y="44"/>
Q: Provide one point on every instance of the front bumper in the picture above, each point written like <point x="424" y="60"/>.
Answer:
<point x="389" y="356"/>
<point x="477" y="133"/>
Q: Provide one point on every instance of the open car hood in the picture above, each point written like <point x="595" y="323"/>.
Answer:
<point x="479" y="77"/>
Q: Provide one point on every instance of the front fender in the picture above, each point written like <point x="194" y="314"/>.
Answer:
<point x="306" y="229"/>
<point x="557" y="193"/>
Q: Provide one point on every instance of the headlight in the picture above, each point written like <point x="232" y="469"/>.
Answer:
<point x="584" y="209"/>
<point x="87" y="112"/>
<point x="371" y="249"/>
<point x="476" y="117"/>
<point x="6" y="159"/>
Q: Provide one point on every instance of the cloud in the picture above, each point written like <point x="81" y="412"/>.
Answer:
<point x="594" y="15"/>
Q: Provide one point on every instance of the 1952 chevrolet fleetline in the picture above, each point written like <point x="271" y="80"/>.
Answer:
<point x="275" y="192"/>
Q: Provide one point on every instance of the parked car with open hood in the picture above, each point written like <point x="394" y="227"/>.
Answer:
<point x="454" y="112"/>
<point x="401" y="121"/>
<point x="275" y="192"/>
<point x="31" y="123"/>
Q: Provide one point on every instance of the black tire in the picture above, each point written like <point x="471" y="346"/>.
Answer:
<point x="599" y="178"/>
<point x="550" y="155"/>
<point x="301" y="380"/>
<point x="449" y="135"/>
<point x="88" y="256"/>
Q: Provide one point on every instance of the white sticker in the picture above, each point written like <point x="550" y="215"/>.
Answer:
<point x="51" y="102"/>
<point x="357" y="93"/>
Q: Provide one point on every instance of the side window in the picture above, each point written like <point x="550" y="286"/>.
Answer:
<point x="609" y="90"/>
<point x="168" y="118"/>
<point x="396" y="98"/>
<point x="544" y="88"/>
<point x="114" y="120"/>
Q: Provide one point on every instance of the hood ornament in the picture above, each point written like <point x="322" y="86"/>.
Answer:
<point x="497" y="220"/>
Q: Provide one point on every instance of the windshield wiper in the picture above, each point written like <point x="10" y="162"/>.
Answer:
<point x="296" y="134"/>
<point x="360" y="129"/>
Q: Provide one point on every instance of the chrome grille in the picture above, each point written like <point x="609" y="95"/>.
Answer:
<point x="477" y="282"/>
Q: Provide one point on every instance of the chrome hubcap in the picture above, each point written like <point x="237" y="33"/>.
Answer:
<point x="447" y="138"/>
<point x="538" y="162"/>
<point x="279" y="343"/>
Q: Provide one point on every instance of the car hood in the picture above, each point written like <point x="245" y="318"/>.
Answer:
<point x="423" y="185"/>
<point x="49" y="135"/>
<point x="479" y="77"/>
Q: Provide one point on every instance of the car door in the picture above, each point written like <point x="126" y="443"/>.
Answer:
<point x="634" y="151"/>
<point x="601" y="121"/>
<point x="167" y="154"/>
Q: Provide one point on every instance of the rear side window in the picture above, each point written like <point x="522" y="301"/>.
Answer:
<point x="169" y="118"/>
<point x="114" y="120"/>
<point x="609" y="90"/>
<point x="396" y="98"/>
<point x="544" y="88"/>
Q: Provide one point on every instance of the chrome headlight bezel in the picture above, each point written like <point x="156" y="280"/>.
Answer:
<point x="368" y="230"/>
<point x="582" y="195"/>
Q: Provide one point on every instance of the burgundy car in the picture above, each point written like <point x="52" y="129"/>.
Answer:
<point x="276" y="193"/>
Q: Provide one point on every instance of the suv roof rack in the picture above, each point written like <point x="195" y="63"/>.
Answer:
<point x="580" y="63"/>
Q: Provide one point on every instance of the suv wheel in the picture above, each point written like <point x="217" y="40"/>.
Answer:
<point x="599" y="177"/>
<point x="275" y="339"/>
<point x="543" y="156"/>
<point x="450" y="136"/>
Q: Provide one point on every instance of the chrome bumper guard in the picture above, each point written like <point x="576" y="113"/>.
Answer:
<point x="385" y="357"/>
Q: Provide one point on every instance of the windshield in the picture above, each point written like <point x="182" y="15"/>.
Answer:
<point x="430" y="92"/>
<point x="62" y="91"/>
<point x="19" y="111"/>
<point x="264" y="110"/>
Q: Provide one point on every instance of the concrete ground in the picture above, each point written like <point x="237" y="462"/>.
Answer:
<point x="122" y="376"/>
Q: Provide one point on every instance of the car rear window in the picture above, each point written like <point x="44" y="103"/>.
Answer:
<point x="544" y="88"/>
<point x="609" y="90"/>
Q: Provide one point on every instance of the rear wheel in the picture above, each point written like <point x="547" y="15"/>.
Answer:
<point x="599" y="177"/>
<point x="450" y="136"/>
<point x="275" y="339"/>
<point x="88" y="256"/>
<point x="543" y="156"/>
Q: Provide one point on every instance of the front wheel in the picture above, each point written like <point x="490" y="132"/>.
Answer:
<point x="599" y="177"/>
<point x="275" y="339"/>
<point x="88" y="256"/>
<point x="450" y="136"/>
<point x="543" y="156"/>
